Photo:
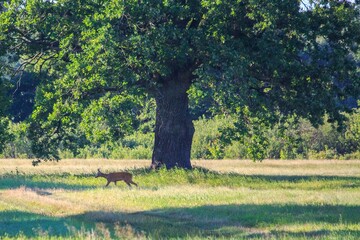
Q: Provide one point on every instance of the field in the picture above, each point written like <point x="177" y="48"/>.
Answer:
<point x="225" y="199"/>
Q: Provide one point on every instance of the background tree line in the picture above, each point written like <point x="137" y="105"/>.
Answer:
<point x="215" y="136"/>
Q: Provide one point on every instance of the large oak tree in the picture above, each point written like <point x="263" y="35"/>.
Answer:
<point x="258" y="57"/>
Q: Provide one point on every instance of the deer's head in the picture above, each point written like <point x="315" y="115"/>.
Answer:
<point x="98" y="174"/>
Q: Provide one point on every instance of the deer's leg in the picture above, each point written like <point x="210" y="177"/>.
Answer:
<point x="133" y="183"/>
<point x="107" y="184"/>
<point x="128" y="183"/>
<point x="115" y="182"/>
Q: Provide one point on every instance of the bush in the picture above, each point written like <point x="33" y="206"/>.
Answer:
<point x="136" y="146"/>
<point x="5" y="136"/>
<point x="351" y="156"/>
<point x="139" y="152"/>
<point x="235" y="150"/>
<point x="352" y="132"/>
<point x="20" y="145"/>
<point x="323" y="155"/>
<point x="289" y="139"/>
<point x="209" y="139"/>
<point x="136" y="139"/>
<point x="119" y="152"/>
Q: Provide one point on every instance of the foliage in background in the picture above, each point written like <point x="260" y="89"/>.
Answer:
<point x="209" y="142"/>
<point x="353" y="131"/>
<point x="290" y="138"/>
<point x="20" y="145"/>
<point x="4" y="104"/>
<point x="4" y="132"/>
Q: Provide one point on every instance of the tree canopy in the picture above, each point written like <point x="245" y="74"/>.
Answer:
<point x="257" y="57"/>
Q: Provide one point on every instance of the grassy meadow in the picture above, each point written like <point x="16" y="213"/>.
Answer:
<point x="225" y="199"/>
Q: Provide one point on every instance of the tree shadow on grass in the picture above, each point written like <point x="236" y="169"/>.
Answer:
<point x="239" y="221"/>
<point x="210" y="221"/>
<point x="19" y="223"/>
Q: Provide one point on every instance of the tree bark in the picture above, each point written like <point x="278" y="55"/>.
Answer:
<point x="174" y="128"/>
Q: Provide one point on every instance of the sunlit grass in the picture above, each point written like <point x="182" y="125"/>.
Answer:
<point x="246" y="167"/>
<point x="67" y="201"/>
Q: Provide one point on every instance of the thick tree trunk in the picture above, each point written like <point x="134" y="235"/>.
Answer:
<point x="174" y="129"/>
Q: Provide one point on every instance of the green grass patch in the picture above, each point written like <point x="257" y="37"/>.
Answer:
<point x="198" y="176"/>
<point x="196" y="204"/>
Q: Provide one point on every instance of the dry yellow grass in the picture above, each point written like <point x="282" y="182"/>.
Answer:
<point x="75" y="166"/>
<point x="40" y="201"/>
<point x="285" y="167"/>
<point x="246" y="167"/>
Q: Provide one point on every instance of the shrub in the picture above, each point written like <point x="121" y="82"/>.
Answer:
<point x="350" y="156"/>
<point x="140" y="152"/>
<point x="235" y="150"/>
<point x="209" y="139"/>
<point x="20" y="145"/>
<point x="289" y="139"/>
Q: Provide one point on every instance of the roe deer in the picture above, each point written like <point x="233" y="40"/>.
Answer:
<point x="116" y="176"/>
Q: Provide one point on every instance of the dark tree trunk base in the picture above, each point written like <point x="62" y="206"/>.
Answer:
<point x="174" y="129"/>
